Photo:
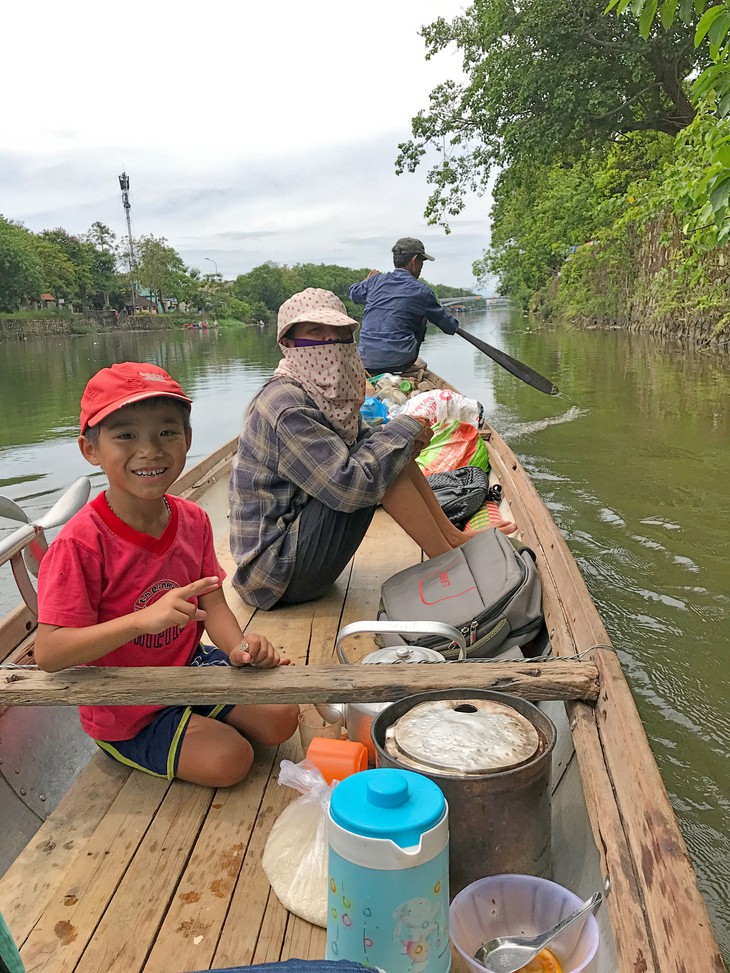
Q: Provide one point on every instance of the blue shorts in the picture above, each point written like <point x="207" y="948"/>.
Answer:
<point x="156" y="748"/>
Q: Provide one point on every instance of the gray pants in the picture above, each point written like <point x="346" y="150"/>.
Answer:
<point x="327" y="540"/>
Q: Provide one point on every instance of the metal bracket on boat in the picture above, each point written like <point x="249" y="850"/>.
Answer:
<point x="24" y="584"/>
<point x="25" y="547"/>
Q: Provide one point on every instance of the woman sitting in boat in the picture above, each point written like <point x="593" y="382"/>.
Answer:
<point x="309" y="474"/>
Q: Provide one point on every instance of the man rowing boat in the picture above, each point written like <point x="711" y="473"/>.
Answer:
<point x="397" y="308"/>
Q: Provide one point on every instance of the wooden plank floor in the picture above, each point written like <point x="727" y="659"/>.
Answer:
<point x="131" y="873"/>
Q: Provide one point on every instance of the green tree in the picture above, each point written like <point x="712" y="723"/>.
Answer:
<point x="540" y="214"/>
<point x="545" y="79"/>
<point x="544" y="215"/>
<point x="269" y="285"/>
<point x="79" y="255"/>
<point x="21" y="270"/>
<point x="443" y="290"/>
<point x="102" y="268"/>
<point x="707" y="197"/>
<point x="59" y="273"/>
<point x="101" y="237"/>
<point x="240" y="310"/>
<point x="333" y="278"/>
<point x="160" y="269"/>
<point x="103" y="259"/>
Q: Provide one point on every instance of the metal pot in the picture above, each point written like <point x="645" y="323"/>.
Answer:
<point x="358" y="717"/>
<point x="490" y="754"/>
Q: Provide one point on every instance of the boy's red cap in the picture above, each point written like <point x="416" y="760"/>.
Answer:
<point x="122" y="384"/>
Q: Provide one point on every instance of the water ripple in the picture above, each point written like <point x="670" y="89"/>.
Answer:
<point x="611" y="517"/>
<point x="516" y="430"/>
<point x="658" y="522"/>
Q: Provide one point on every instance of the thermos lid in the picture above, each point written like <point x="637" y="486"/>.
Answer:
<point x="389" y="804"/>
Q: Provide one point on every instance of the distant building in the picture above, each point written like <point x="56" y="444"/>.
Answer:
<point x="145" y="304"/>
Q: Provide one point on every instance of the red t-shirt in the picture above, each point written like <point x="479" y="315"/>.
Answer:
<point x="99" y="568"/>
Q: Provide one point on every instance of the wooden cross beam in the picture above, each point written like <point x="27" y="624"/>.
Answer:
<point x="199" y="686"/>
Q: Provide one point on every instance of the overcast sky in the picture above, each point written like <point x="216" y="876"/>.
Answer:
<point x="250" y="130"/>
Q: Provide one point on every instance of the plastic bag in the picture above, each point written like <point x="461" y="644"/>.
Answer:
<point x="442" y="406"/>
<point x="452" y="446"/>
<point x="295" y="856"/>
<point x="374" y="412"/>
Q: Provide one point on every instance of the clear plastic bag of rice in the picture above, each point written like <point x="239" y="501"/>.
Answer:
<point x="295" y="856"/>
<point x="443" y="407"/>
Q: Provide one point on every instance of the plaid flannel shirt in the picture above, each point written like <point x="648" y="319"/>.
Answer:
<point x="288" y="453"/>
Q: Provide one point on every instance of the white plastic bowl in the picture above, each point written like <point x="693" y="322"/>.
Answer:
<point x="520" y="905"/>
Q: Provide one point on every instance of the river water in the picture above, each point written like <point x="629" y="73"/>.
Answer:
<point x="632" y="459"/>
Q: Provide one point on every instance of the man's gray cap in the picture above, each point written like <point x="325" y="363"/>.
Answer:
<point x="409" y="245"/>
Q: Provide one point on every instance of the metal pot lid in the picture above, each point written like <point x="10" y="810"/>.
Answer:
<point x="462" y="736"/>
<point x="394" y="654"/>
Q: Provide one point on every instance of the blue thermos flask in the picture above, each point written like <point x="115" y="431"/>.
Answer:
<point x="388" y="898"/>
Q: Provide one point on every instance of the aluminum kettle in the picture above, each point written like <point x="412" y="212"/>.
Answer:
<point x="358" y="717"/>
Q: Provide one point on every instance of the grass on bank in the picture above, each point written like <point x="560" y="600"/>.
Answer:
<point x="81" y="324"/>
<point x="41" y="315"/>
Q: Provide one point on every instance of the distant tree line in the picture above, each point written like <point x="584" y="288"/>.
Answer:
<point x="264" y="289"/>
<point x="92" y="271"/>
<point x="74" y="269"/>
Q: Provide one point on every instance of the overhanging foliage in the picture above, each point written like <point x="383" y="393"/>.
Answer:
<point x="546" y="79"/>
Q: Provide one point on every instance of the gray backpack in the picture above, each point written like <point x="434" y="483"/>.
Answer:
<point x="489" y="588"/>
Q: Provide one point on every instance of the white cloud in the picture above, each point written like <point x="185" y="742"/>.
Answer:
<point x="249" y="131"/>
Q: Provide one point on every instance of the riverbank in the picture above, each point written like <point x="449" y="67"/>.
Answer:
<point x="650" y="281"/>
<point x="691" y="330"/>
<point x="100" y="322"/>
<point x="97" y="322"/>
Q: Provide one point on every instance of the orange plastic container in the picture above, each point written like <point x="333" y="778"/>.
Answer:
<point x="337" y="759"/>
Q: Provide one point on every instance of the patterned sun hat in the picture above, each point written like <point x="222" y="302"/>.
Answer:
<point x="314" y="305"/>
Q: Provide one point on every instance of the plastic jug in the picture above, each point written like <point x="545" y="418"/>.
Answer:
<point x="388" y="897"/>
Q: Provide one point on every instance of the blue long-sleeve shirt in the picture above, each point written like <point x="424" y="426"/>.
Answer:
<point x="397" y="307"/>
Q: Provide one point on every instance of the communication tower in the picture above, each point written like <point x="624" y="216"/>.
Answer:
<point x="124" y="186"/>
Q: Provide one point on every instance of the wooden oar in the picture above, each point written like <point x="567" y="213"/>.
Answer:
<point x="517" y="368"/>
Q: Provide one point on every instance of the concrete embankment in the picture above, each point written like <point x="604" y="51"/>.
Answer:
<point x="16" y="329"/>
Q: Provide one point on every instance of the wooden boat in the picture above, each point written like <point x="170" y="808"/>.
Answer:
<point x="126" y="873"/>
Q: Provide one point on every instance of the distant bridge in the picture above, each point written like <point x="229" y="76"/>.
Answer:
<point x="496" y="302"/>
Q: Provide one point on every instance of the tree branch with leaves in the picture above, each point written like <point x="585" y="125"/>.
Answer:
<point x="544" y="81"/>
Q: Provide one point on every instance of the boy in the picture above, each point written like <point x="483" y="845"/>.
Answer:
<point x="130" y="580"/>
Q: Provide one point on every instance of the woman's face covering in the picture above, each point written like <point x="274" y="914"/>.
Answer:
<point x="312" y="331"/>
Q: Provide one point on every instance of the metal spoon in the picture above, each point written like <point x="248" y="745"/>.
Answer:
<point x="506" y="954"/>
